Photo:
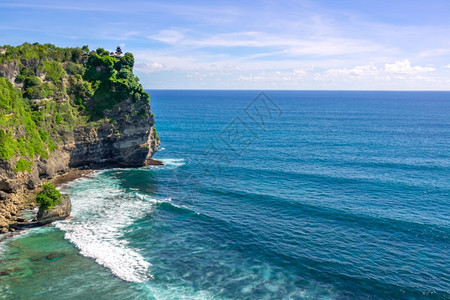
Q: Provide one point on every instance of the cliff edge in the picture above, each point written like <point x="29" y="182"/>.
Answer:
<point x="63" y="108"/>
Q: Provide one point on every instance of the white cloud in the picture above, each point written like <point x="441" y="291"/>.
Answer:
<point x="356" y="71"/>
<point x="276" y="76"/>
<point x="287" y="44"/>
<point x="168" y="36"/>
<point x="149" y="67"/>
<point x="404" y="67"/>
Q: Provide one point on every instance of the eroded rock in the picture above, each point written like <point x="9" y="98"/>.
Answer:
<point x="59" y="212"/>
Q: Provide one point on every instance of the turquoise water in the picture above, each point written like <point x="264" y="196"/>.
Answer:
<point x="306" y="195"/>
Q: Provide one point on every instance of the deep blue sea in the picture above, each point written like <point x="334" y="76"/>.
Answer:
<point x="280" y="195"/>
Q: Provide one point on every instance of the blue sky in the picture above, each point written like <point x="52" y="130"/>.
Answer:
<point x="323" y="44"/>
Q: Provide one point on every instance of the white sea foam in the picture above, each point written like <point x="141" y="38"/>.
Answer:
<point x="173" y="163"/>
<point x="101" y="214"/>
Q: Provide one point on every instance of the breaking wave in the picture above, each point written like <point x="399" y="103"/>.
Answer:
<point x="102" y="211"/>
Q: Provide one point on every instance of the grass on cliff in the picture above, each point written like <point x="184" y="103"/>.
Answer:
<point x="19" y="134"/>
<point x="48" y="197"/>
<point x="23" y="165"/>
<point x="59" y="89"/>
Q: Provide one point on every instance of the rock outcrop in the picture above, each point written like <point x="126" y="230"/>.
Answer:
<point x="59" y="212"/>
<point x="10" y="71"/>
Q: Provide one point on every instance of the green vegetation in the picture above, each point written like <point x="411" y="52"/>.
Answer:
<point x="114" y="81"/>
<point x="48" y="197"/>
<point x="156" y="133"/>
<point x="19" y="134"/>
<point x="23" y="165"/>
<point x="45" y="52"/>
<point x="56" y="90"/>
<point x="25" y="132"/>
<point x="53" y="69"/>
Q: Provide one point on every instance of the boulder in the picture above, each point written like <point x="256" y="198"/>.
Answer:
<point x="59" y="212"/>
<point x="33" y="180"/>
<point x="153" y="162"/>
<point x="4" y="196"/>
<point x="9" y="186"/>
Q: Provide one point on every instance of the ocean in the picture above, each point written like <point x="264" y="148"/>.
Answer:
<point x="275" y="195"/>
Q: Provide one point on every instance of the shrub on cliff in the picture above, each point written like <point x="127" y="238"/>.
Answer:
<point x="44" y="52"/>
<point x="48" y="197"/>
<point x="53" y="69"/>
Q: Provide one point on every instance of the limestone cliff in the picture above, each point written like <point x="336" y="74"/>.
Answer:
<point x="130" y="142"/>
<point x="66" y="108"/>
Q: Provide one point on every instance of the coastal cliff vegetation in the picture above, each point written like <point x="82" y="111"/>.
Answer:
<point x="48" y="197"/>
<point x="63" y="109"/>
<point x="52" y="90"/>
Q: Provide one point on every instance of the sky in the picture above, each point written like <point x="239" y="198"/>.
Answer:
<point x="259" y="44"/>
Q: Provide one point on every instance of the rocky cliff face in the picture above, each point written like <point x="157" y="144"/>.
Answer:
<point x="129" y="142"/>
<point x="124" y="137"/>
<point x="10" y="70"/>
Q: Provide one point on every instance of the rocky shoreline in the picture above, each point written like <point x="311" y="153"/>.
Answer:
<point x="13" y="205"/>
<point x="83" y="149"/>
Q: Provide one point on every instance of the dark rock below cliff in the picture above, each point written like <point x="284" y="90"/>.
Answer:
<point x="153" y="162"/>
<point x="59" y="212"/>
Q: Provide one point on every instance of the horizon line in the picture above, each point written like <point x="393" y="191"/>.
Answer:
<point x="291" y="90"/>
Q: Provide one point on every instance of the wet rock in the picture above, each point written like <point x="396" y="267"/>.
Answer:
<point x="153" y="162"/>
<point x="53" y="256"/>
<point x="34" y="259"/>
<point x="9" y="271"/>
<point x="59" y="212"/>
